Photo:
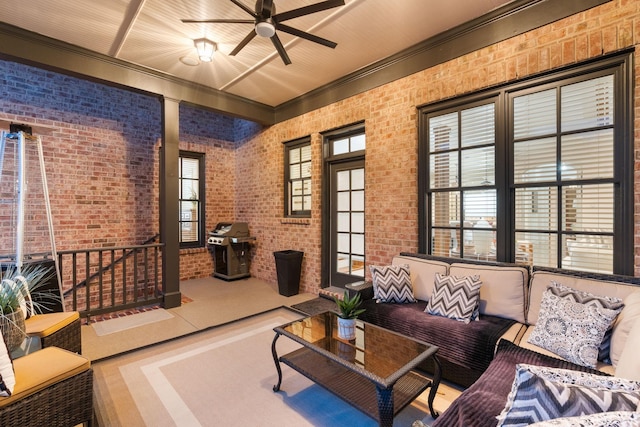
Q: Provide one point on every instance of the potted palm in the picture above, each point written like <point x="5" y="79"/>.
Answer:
<point x="348" y="311"/>
<point x="20" y="297"/>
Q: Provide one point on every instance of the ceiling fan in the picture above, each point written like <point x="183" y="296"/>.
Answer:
<point x="266" y="21"/>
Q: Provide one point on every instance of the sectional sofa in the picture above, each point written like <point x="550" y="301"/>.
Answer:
<point x="517" y="325"/>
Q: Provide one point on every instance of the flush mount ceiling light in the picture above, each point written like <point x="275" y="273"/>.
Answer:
<point x="205" y="49"/>
<point x="265" y="28"/>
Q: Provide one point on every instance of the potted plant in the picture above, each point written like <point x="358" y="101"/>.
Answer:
<point x="348" y="311"/>
<point x="18" y="289"/>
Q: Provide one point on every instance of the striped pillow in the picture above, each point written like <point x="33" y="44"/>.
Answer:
<point x="392" y="283"/>
<point x="455" y="297"/>
<point x="542" y="393"/>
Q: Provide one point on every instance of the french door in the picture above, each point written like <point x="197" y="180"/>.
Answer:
<point x="347" y="213"/>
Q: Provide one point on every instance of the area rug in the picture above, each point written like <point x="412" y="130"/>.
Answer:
<point x="222" y="377"/>
<point x="120" y="324"/>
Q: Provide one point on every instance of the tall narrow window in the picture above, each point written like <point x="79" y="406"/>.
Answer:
<point x="563" y="139"/>
<point x="191" y="180"/>
<point x="298" y="178"/>
<point x="462" y="182"/>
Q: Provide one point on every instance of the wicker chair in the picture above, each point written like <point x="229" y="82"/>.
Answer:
<point x="60" y="329"/>
<point x="54" y="387"/>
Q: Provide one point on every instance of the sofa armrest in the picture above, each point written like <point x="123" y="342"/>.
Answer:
<point x="364" y="288"/>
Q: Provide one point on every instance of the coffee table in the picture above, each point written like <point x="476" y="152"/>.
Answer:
<point x="375" y="372"/>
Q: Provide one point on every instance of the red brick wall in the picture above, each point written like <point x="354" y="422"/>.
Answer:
<point x="390" y="118"/>
<point x="102" y="153"/>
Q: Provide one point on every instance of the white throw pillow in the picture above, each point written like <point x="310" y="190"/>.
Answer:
<point x="7" y="376"/>
<point x="629" y="364"/>
<point x="627" y="318"/>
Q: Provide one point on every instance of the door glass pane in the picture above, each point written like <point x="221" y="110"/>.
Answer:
<point x="344" y="182"/>
<point x="357" y="179"/>
<point x="343" y="242"/>
<point x="357" y="222"/>
<point x="357" y="265"/>
<point x="357" y="244"/>
<point x="358" y="142"/>
<point x="343" y="201"/>
<point x="341" y="146"/>
<point x="343" y="222"/>
<point x="357" y="201"/>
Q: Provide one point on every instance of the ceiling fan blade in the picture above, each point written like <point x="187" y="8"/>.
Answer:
<point x="283" y="53"/>
<point x="307" y="10"/>
<point x="245" y="8"/>
<point x="265" y="8"/>
<point x="307" y="36"/>
<point x="243" y="43"/>
<point x="218" y="21"/>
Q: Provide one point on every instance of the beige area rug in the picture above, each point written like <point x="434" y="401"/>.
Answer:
<point x="223" y="377"/>
<point x="120" y="324"/>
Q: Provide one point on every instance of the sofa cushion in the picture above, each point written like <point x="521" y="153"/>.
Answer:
<point x="540" y="281"/>
<point x="483" y="401"/>
<point x="504" y="288"/>
<point x="36" y="371"/>
<point x="543" y="393"/>
<point x="629" y="363"/>
<point x="571" y="329"/>
<point x="455" y="297"/>
<point x="625" y="321"/>
<point x="392" y="283"/>
<point x="423" y="273"/>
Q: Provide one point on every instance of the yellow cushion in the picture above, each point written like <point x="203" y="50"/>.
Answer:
<point x="38" y="370"/>
<point x="43" y="325"/>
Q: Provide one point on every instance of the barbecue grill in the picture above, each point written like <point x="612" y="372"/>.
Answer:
<point x="229" y="242"/>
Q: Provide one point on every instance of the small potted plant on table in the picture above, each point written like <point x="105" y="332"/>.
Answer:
<point x="348" y="311"/>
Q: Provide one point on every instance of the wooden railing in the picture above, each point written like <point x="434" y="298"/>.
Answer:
<point x="111" y="279"/>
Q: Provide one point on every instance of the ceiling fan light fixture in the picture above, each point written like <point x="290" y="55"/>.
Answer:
<point x="265" y="29"/>
<point x="205" y="48"/>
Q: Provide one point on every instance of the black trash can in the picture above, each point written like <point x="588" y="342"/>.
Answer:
<point x="288" y="267"/>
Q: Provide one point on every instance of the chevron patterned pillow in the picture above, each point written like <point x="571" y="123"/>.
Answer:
<point x="392" y="283"/>
<point x="604" y="419"/>
<point x="455" y="297"/>
<point x="542" y="393"/>
<point x="570" y="329"/>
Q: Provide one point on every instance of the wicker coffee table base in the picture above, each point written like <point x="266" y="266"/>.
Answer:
<point x="380" y="403"/>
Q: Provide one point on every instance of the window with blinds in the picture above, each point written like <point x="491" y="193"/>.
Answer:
<point x="563" y="139"/>
<point x="190" y="198"/>
<point x="538" y="171"/>
<point x="298" y="178"/>
<point x="462" y="182"/>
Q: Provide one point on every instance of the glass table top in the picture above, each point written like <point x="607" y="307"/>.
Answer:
<point x="376" y="350"/>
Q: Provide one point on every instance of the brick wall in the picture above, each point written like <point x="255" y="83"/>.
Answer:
<point x="390" y="118"/>
<point x="102" y="153"/>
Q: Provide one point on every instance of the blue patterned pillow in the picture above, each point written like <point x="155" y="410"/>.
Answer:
<point x="542" y="393"/>
<point x="570" y="329"/>
<point x="455" y="297"/>
<point x="392" y="284"/>
<point x="584" y="297"/>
